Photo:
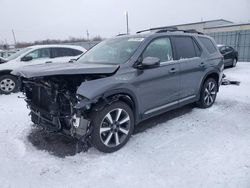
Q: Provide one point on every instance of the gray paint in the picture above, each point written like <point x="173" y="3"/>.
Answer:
<point x="64" y="69"/>
<point x="151" y="88"/>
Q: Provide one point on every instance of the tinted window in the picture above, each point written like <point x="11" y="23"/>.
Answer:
<point x="209" y="45"/>
<point x="229" y="49"/>
<point x="197" y="49"/>
<point x="185" y="47"/>
<point x="65" y="52"/>
<point x="39" y="53"/>
<point x="222" y="49"/>
<point x="160" y="48"/>
<point x="76" y="52"/>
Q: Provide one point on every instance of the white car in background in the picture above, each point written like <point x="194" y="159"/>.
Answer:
<point x="34" y="55"/>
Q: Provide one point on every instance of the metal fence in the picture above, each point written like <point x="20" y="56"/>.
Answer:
<point x="240" y="40"/>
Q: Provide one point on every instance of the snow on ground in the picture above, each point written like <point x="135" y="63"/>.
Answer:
<point x="188" y="147"/>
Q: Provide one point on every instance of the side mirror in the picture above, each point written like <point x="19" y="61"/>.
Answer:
<point x="26" y="58"/>
<point x="72" y="60"/>
<point x="150" y="62"/>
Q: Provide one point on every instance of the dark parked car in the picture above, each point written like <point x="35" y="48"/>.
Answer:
<point x="121" y="82"/>
<point x="230" y="55"/>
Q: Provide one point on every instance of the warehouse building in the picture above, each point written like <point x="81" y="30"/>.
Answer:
<point x="225" y="32"/>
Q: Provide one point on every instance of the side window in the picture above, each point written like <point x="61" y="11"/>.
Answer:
<point x="229" y="49"/>
<point x="209" y="45"/>
<point x="65" y="52"/>
<point x="39" y="53"/>
<point x="160" y="48"/>
<point x="185" y="47"/>
<point x="223" y="49"/>
<point x="197" y="49"/>
<point x="76" y="52"/>
<point x="60" y="52"/>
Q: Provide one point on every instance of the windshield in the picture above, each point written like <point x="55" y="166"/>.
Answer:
<point x="112" y="51"/>
<point x="17" y="54"/>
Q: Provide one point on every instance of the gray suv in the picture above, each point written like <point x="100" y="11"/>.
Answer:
<point x="101" y="97"/>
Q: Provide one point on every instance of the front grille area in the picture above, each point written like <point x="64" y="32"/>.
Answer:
<point x="41" y="98"/>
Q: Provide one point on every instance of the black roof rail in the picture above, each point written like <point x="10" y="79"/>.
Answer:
<point x="193" y="31"/>
<point x="157" y="28"/>
<point x="170" y="29"/>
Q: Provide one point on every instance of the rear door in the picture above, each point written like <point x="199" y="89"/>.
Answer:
<point x="188" y="54"/>
<point x="158" y="87"/>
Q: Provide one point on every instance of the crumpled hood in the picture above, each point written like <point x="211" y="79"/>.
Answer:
<point x="64" y="69"/>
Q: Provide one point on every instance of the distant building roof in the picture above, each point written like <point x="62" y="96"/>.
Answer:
<point x="203" y="22"/>
<point x="228" y="25"/>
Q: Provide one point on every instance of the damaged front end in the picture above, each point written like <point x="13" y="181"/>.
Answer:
<point x="54" y="104"/>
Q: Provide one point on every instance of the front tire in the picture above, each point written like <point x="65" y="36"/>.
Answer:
<point x="208" y="93"/>
<point x="112" y="127"/>
<point x="8" y="84"/>
<point x="234" y="62"/>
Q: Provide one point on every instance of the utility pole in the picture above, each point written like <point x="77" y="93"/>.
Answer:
<point x="14" y="36"/>
<point x="88" y="38"/>
<point x="126" y="14"/>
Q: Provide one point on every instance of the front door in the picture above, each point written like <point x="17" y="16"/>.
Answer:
<point x="158" y="87"/>
<point x="39" y="56"/>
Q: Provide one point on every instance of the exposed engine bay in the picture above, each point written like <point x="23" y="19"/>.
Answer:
<point x="52" y="99"/>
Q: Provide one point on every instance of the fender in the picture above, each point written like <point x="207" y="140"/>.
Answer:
<point x="4" y="72"/>
<point x="106" y="87"/>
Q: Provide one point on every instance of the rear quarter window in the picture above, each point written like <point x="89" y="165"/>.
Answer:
<point x="76" y="52"/>
<point x="208" y="44"/>
<point x="65" y="52"/>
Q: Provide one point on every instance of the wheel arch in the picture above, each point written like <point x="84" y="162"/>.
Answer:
<point x="5" y="72"/>
<point x="125" y="96"/>
<point x="212" y="74"/>
<point x="110" y="96"/>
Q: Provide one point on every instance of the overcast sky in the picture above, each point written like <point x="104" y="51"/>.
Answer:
<point x="61" y="19"/>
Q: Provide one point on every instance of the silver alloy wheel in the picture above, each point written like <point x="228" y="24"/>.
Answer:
<point x="234" y="62"/>
<point x="7" y="85"/>
<point x="210" y="93"/>
<point x="115" y="127"/>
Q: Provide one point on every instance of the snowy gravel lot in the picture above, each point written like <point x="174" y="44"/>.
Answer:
<point x="188" y="147"/>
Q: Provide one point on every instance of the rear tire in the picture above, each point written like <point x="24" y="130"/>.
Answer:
<point x="8" y="84"/>
<point x="112" y="127"/>
<point x="208" y="93"/>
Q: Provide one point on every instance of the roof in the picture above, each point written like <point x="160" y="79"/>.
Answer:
<point x="58" y="46"/>
<point x="209" y="21"/>
<point x="220" y="45"/>
<point x="228" y="25"/>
